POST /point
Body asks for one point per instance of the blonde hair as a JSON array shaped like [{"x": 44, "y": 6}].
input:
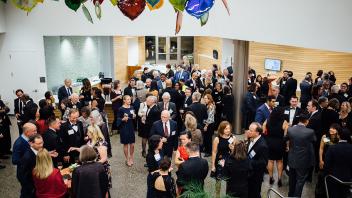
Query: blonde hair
[
  {"x": 44, "y": 165},
  {"x": 96, "y": 133},
  {"x": 190, "y": 122},
  {"x": 348, "y": 106}
]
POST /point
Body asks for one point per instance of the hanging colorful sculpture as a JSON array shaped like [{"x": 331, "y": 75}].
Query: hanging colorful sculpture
[{"x": 200, "y": 9}]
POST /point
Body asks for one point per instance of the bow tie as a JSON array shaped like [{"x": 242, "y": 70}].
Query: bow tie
[{"x": 292, "y": 108}]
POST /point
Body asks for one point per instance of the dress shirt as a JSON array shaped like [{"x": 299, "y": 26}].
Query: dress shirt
[
  {"x": 252, "y": 142},
  {"x": 168, "y": 128},
  {"x": 292, "y": 114}
]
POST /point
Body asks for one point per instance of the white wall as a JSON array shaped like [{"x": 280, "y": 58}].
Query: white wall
[
  {"x": 2, "y": 18},
  {"x": 318, "y": 24},
  {"x": 228, "y": 51},
  {"x": 133, "y": 54}
]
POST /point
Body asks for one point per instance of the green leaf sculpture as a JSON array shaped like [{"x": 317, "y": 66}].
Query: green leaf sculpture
[
  {"x": 98, "y": 9},
  {"x": 73, "y": 4},
  {"x": 114, "y": 2},
  {"x": 178, "y": 4},
  {"x": 86, "y": 13},
  {"x": 204, "y": 19}
]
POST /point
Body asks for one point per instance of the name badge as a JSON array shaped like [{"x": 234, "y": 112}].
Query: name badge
[
  {"x": 287, "y": 112},
  {"x": 173, "y": 133},
  {"x": 326, "y": 140},
  {"x": 71, "y": 132},
  {"x": 346, "y": 95},
  {"x": 191, "y": 84},
  {"x": 254, "y": 97},
  {"x": 186, "y": 105},
  {"x": 170, "y": 111},
  {"x": 132, "y": 111},
  {"x": 75, "y": 128},
  {"x": 157, "y": 157},
  {"x": 231, "y": 140},
  {"x": 252, "y": 154},
  {"x": 277, "y": 104}
]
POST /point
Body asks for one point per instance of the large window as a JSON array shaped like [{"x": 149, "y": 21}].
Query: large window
[{"x": 161, "y": 50}]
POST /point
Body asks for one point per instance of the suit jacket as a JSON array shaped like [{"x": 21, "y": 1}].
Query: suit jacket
[
  {"x": 251, "y": 102},
  {"x": 200, "y": 111},
  {"x": 338, "y": 161},
  {"x": 24, "y": 171},
  {"x": 128, "y": 91},
  {"x": 296, "y": 116},
  {"x": 315, "y": 124},
  {"x": 52, "y": 141},
  {"x": 195, "y": 170},
  {"x": 62, "y": 93},
  {"x": 290, "y": 89},
  {"x": 187, "y": 102},
  {"x": 281, "y": 100},
  {"x": 71, "y": 138},
  {"x": 301, "y": 152},
  {"x": 306, "y": 91},
  {"x": 194, "y": 85},
  {"x": 29, "y": 111},
  {"x": 181, "y": 75},
  {"x": 171, "y": 108},
  {"x": 262, "y": 114},
  {"x": 160, "y": 84},
  {"x": 258, "y": 156},
  {"x": 18, "y": 106},
  {"x": 153, "y": 116},
  {"x": 172, "y": 139},
  {"x": 170, "y": 74},
  {"x": 19, "y": 148}
]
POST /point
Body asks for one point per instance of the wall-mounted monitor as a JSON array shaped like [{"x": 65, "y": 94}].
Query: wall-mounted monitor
[{"x": 272, "y": 64}]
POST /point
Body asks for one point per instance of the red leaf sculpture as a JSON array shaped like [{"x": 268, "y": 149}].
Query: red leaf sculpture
[{"x": 131, "y": 8}]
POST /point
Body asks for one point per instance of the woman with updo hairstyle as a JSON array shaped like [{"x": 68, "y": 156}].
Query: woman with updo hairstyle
[{"x": 153, "y": 159}]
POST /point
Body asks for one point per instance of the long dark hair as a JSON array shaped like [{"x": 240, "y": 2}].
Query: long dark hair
[
  {"x": 86, "y": 84},
  {"x": 338, "y": 129},
  {"x": 240, "y": 151},
  {"x": 153, "y": 143},
  {"x": 153, "y": 86}
]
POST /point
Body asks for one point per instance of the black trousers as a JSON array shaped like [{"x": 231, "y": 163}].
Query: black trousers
[
  {"x": 207, "y": 138},
  {"x": 297, "y": 179},
  {"x": 255, "y": 185}
]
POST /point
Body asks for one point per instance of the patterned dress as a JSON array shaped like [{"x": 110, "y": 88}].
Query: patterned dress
[{"x": 106, "y": 163}]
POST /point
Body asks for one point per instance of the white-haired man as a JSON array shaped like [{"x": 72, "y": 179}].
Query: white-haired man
[{"x": 167, "y": 105}]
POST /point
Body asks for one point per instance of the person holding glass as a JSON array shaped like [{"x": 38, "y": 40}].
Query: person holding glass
[{"x": 125, "y": 117}]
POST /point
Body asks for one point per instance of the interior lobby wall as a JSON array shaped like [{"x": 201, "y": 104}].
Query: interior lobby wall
[
  {"x": 203, "y": 51},
  {"x": 301, "y": 60},
  {"x": 2, "y": 19}
]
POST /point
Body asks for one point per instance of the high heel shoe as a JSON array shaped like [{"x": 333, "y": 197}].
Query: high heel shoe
[
  {"x": 144, "y": 154},
  {"x": 271, "y": 181},
  {"x": 279, "y": 183}
]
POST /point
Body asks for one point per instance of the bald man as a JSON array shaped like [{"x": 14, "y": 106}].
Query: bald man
[
  {"x": 21, "y": 145},
  {"x": 167, "y": 129}
]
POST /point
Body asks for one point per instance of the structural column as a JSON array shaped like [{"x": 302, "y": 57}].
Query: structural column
[{"x": 240, "y": 75}]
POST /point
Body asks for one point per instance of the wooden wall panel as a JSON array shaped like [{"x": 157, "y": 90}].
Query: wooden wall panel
[
  {"x": 121, "y": 58},
  {"x": 203, "y": 51},
  {"x": 301, "y": 60},
  {"x": 141, "y": 50}
]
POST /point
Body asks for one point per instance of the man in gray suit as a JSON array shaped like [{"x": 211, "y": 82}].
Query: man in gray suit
[
  {"x": 300, "y": 155},
  {"x": 167, "y": 105}
]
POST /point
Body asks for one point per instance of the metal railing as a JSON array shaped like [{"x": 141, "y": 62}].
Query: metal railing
[
  {"x": 336, "y": 179},
  {"x": 274, "y": 191}
]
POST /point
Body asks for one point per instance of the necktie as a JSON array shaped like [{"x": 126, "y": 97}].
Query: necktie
[
  {"x": 165, "y": 106},
  {"x": 68, "y": 92},
  {"x": 166, "y": 130},
  {"x": 147, "y": 111}
]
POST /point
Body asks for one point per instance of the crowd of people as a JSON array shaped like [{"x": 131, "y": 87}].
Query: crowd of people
[{"x": 183, "y": 117}]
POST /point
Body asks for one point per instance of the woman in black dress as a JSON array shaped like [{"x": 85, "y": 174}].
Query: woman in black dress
[
  {"x": 330, "y": 115},
  {"x": 227, "y": 101},
  {"x": 162, "y": 181},
  {"x": 85, "y": 95},
  {"x": 116, "y": 100},
  {"x": 218, "y": 95},
  {"x": 125, "y": 118},
  {"x": 345, "y": 115},
  {"x": 236, "y": 170},
  {"x": 153, "y": 159},
  {"x": 276, "y": 127},
  {"x": 179, "y": 101},
  {"x": 220, "y": 152}
]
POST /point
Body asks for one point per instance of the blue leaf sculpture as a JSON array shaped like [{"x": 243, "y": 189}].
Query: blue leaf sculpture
[{"x": 198, "y": 8}]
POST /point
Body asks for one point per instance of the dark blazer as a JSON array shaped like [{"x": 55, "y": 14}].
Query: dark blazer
[
  {"x": 153, "y": 116},
  {"x": 17, "y": 106},
  {"x": 315, "y": 124},
  {"x": 281, "y": 100},
  {"x": 194, "y": 85},
  {"x": 306, "y": 91},
  {"x": 181, "y": 75},
  {"x": 172, "y": 139},
  {"x": 71, "y": 138},
  {"x": 290, "y": 89},
  {"x": 338, "y": 161},
  {"x": 171, "y": 107},
  {"x": 62, "y": 93},
  {"x": 258, "y": 157},
  {"x": 170, "y": 74},
  {"x": 29, "y": 111},
  {"x": 195, "y": 170},
  {"x": 251, "y": 102},
  {"x": 24, "y": 173},
  {"x": 128, "y": 91},
  {"x": 90, "y": 181},
  {"x": 52, "y": 141},
  {"x": 301, "y": 152},
  {"x": 187, "y": 102},
  {"x": 19, "y": 148},
  {"x": 296, "y": 116},
  {"x": 200, "y": 111},
  {"x": 262, "y": 114}
]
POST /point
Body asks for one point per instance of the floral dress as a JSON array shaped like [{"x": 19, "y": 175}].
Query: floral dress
[{"x": 106, "y": 163}]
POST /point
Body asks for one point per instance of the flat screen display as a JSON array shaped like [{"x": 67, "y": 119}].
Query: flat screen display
[{"x": 272, "y": 64}]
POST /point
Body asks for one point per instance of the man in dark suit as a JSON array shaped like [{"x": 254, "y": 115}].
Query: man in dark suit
[
  {"x": 167, "y": 105},
  {"x": 53, "y": 142},
  {"x": 74, "y": 102},
  {"x": 194, "y": 83},
  {"x": 21, "y": 144},
  {"x": 26, "y": 165},
  {"x": 280, "y": 99},
  {"x": 264, "y": 110},
  {"x": 188, "y": 98},
  {"x": 338, "y": 163},
  {"x": 65, "y": 91},
  {"x": 306, "y": 91},
  {"x": 167, "y": 129},
  {"x": 194, "y": 170},
  {"x": 315, "y": 124},
  {"x": 169, "y": 90},
  {"x": 290, "y": 87},
  {"x": 292, "y": 112},
  {"x": 5, "y": 134},
  {"x": 250, "y": 106},
  {"x": 199, "y": 110},
  {"x": 161, "y": 83},
  {"x": 72, "y": 135},
  {"x": 180, "y": 74},
  {"x": 258, "y": 154},
  {"x": 19, "y": 109},
  {"x": 153, "y": 112},
  {"x": 29, "y": 109},
  {"x": 301, "y": 155}
]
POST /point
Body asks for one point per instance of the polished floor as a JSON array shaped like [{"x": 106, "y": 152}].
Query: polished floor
[{"x": 129, "y": 182}]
